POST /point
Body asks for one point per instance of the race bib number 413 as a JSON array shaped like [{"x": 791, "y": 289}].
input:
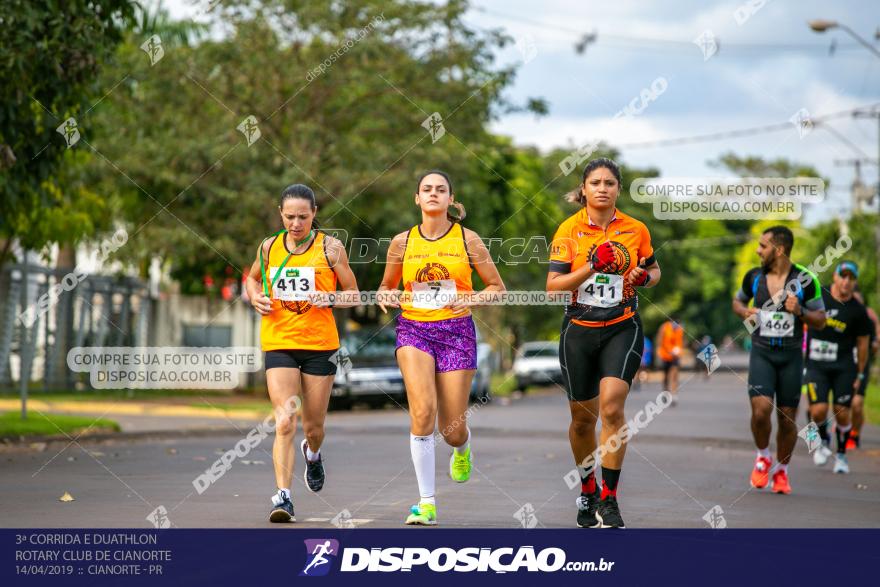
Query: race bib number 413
[
  {"x": 776, "y": 324},
  {"x": 602, "y": 290},
  {"x": 294, "y": 284}
]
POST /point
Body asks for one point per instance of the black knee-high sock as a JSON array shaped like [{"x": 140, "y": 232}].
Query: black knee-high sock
[
  {"x": 823, "y": 433},
  {"x": 610, "y": 477},
  {"x": 588, "y": 481},
  {"x": 842, "y": 434}
]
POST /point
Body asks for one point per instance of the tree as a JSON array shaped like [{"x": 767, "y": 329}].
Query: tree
[
  {"x": 339, "y": 94},
  {"x": 746, "y": 257},
  {"x": 52, "y": 55},
  {"x": 860, "y": 229}
]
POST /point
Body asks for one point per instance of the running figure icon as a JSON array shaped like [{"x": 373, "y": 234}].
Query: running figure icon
[{"x": 318, "y": 554}]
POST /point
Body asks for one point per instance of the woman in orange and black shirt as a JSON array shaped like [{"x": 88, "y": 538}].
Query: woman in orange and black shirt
[
  {"x": 291, "y": 284},
  {"x": 600, "y": 255}
]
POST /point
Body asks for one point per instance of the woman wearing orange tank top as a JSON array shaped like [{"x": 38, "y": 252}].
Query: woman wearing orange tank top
[
  {"x": 436, "y": 337},
  {"x": 291, "y": 285},
  {"x": 601, "y": 255}
]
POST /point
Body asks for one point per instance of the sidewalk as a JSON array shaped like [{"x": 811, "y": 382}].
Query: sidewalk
[{"x": 135, "y": 408}]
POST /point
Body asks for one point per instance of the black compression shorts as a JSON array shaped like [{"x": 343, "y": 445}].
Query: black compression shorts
[
  {"x": 587, "y": 354},
  {"x": 308, "y": 362},
  {"x": 838, "y": 379},
  {"x": 863, "y": 385},
  {"x": 776, "y": 373}
]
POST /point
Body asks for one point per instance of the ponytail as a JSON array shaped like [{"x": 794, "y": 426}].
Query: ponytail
[
  {"x": 462, "y": 213},
  {"x": 576, "y": 196}
]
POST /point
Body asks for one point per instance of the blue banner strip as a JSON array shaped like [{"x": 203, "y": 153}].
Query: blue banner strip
[{"x": 436, "y": 556}]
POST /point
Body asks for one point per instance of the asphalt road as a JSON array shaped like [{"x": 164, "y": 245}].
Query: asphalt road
[{"x": 686, "y": 461}]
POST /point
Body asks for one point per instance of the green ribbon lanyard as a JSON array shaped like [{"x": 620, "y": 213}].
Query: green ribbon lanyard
[{"x": 278, "y": 273}]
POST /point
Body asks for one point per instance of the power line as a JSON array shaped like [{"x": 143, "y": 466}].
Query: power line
[
  {"x": 706, "y": 241},
  {"x": 846, "y": 141},
  {"x": 643, "y": 42},
  {"x": 732, "y": 134}
]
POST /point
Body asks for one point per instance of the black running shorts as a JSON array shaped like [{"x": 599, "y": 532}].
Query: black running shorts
[
  {"x": 863, "y": 385},
  {"x": 777, "y": 374},
  {"x": 588, "y": 354},
  {"x": 309, "y": 362},
  {"x": 839, "y": 380}
]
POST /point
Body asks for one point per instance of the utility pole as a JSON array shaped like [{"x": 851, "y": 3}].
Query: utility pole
[
  {"x": 820, "y": 26},
  {"x": 875, "y": 113},
  {"x": 860, "y": 194}
]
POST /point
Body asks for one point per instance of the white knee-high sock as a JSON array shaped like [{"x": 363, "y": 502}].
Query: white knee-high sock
[
  {"x": 422, "y": 450},
  {"x": 461, "y": 449}
]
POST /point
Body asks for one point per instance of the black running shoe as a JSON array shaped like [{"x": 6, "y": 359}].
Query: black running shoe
[
  {"x": 314, "y": 473},
  {"x": 587, "y": 505},
  {"x": 608, "y": 513},
  {"x": 282, "y": 512}
]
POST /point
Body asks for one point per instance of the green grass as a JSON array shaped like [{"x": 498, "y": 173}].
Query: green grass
[
  {"x": 502, "y": 384},
  {"x": 872, "y": 404},
  {"x": 118, "y": 394},
  {"x": 11, "y": 424},
  {"x": 263, "y": 406}
]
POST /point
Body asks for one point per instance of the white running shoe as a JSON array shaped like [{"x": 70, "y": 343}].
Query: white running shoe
[
  {"x": 841, "y": 465},
  {"x": 821, "y": 455}
]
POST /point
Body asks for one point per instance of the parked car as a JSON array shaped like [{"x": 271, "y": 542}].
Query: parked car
[
  {"x": 367, "y": 369},
  {"x": 537, "y": 363},
  {"x": 481, "y": 385}
]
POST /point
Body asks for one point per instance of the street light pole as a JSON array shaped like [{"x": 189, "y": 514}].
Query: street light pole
[{"x": 820, "y": 26}]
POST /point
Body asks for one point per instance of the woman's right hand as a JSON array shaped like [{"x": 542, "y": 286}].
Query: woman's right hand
[
  {"x": 388, "y": 298},
  {"x": 262, "y": 304}
]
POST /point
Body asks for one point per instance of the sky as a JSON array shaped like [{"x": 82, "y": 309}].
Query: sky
[{"x": 768, "y": 67}]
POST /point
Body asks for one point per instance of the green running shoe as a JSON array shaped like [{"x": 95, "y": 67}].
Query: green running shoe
[
  {"x": 423, "y": 514},
  {"x": 460, "y": 465}
]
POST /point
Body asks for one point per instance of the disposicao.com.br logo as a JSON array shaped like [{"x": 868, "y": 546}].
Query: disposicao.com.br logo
[
  {"x": 444, "y": 559},
  {"x": 320, "y": 554}
]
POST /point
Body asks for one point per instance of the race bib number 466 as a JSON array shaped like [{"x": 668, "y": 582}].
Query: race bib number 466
[
  {"x": 776, "y": 324},
  {"x": 823, "y": 350},
  {"x": 294, "y": 284},
  {"x": 602, "y": 290}
]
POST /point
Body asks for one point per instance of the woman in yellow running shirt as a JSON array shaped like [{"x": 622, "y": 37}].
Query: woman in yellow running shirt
[{"x": 436, "y": 336}]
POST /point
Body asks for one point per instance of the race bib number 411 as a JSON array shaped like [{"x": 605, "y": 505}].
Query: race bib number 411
[
  {"x": 294, "y": 284},
  {"x": 776, "y": 324},
  {"x": 602, "y": 290}
]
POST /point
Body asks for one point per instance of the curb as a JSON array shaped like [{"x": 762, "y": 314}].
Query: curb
[
  {"x": 126, "y": 408},
  {"x": 25, "y": 441}
]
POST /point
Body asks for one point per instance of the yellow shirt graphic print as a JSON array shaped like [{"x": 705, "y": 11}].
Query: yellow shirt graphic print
[
  {"x": 294, "y": 323},
  {"x": 434, "y": 273}
]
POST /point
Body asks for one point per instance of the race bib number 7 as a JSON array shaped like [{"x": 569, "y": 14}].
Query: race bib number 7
[
  {"x": 776, "y": 324},
  {"x": 433, "y": 295},
  {"x": 602, "y": 290},
  {"x": 294, "y": 284}
]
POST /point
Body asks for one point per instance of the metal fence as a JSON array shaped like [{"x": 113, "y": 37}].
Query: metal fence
[{"x": 46, "y": 312}]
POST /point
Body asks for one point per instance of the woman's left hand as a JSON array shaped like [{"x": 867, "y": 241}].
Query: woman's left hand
[{"x": 639, "y": 275}]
